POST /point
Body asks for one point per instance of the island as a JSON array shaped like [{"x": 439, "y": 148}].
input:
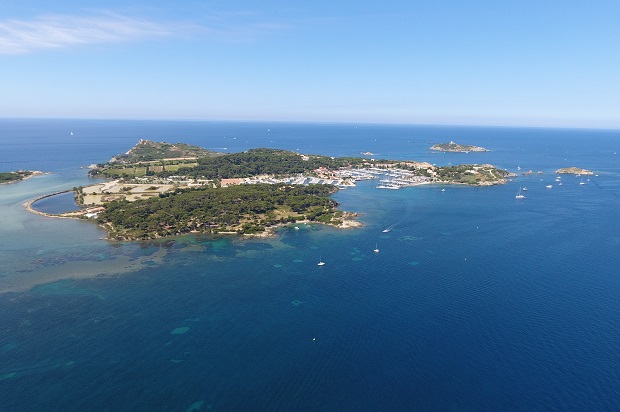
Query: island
[
  {"x": 455, "y": 147},
  {"x": 574, "y": 171},
  {"x": 18, "y": 175},
  {"x": 531, "y": 172},
  {"x": 158, "y": 189},
  {"x": 148, "y": 151}
]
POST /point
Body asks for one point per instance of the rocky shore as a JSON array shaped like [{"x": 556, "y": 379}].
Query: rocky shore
[
  {"x": 455, "y": 147},
  {"x": 574, "y": 171}
]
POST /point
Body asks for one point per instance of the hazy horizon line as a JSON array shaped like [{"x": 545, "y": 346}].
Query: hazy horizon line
[{"x": 342, "y": 122}]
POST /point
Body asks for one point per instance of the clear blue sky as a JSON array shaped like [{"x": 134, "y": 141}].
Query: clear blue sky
[{"x": 527, "y": 62}]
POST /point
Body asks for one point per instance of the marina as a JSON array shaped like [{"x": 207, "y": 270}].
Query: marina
[{"x": 391, "y": 178}]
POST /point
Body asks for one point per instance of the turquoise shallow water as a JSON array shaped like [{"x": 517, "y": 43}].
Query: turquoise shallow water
[{"x": 475, "y": 301}]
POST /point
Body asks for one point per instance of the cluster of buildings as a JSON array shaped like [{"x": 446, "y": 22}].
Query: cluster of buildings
[
  {"x": 389, "y": 178},
  {"x": 300, "y": 180}
]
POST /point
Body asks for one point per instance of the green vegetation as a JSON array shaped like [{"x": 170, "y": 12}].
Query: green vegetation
[
  {"x": 415, "y": 168},
  {"x": 250, "y": 163},
  {"x": 455, "y": 147},
  {"x": 8, "y": 177},
  {"x": 115, "y": 170},
  {"x": 147, "y": 150},
  {"x": 574, "y": 170},
  {"x": 471, "y": 174},
  {"x": 266, "y": 161},
  {"x": 242, "y": 209}
]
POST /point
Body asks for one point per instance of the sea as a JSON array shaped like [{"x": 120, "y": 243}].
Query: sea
[{"x": 476, "y": 300}]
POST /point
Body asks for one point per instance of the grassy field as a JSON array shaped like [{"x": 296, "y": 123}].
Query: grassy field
[{"x": 138, "y": 171}]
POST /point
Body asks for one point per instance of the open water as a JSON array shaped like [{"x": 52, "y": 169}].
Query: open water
[{"x": 476, "y": 300}]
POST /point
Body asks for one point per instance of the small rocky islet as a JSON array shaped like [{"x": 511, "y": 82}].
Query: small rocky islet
[
  {"x": 458, "y": 148},
  {"x": 574, "y": 171}
]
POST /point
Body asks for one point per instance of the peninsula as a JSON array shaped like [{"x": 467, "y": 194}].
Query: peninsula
[
  {"x": 574, "y": 170},
  {"x": 455, "y": 147},
  {"x": 152, "y": 195},
  {"x": 17, "y": 176}
]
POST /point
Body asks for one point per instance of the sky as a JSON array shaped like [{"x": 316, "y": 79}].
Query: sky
[{"x": 503, "y": 63}]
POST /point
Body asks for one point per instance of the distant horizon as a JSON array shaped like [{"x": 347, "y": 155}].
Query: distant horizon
[
  {"x": 334, "y": 122},
  {"x": 507, "y": 64}
]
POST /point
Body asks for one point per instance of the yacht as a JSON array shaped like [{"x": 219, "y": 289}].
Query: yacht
[
  {"x": 376, "y": 249},
  {"x": 321, "y": 263},
  {"x": 519, "y": 195}
]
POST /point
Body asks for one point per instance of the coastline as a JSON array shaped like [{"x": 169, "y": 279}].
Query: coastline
[
  {"x": 33, "y": 173},
  {"x": 573, "y": 170},
  {"x": 269, "y": 232},
  {"x": 252, "y": 223},
  {"x": 453, "y": 147},
  {"x": 28, "y": 204},
  {"x": 345, "y": 221},
  {"x": 348, "y": 222}
]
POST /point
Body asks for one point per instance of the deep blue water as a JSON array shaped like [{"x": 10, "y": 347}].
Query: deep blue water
[
  {"x": 476, "y": 300},
  {"x": 60, "y": 203}
]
